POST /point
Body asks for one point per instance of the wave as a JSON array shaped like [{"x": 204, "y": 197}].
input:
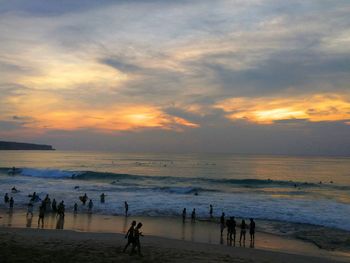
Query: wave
[{"x": 116, "y": 178}]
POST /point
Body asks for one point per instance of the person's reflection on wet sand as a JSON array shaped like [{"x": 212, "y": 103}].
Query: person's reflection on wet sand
[
  {"x": 60, "y": 222},
  {"x": 193, "y": 232},
  {"x": 183, "y": 231},
  {"x": 89, "y": 218},
  {"x": 29, "y": 221},
  {"x": 9, "y": 222},
  {"x": 125, "y": 225}
]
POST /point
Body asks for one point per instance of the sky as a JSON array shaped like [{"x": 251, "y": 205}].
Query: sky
[{"x": 239, "y": 76}]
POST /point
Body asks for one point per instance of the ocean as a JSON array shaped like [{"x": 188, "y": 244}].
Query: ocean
[{"x": 311, "y": 190}]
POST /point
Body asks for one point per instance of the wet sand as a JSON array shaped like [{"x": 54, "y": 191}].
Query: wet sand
[{"x": 165, "y": 231}]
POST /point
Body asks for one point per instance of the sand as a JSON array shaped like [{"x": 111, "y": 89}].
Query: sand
[{"x": 98, "y": 238}]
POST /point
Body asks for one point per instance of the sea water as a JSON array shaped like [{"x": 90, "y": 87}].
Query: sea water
[{"x": 313, "y": 190}]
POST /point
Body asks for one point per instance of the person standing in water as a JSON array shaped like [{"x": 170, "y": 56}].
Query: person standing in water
[
  {"x": 193, "y": 215},
  {"x": 211, "y": 211},
  {"x": 11, "y": 202},
  {"x": 54, "y": 205},
  {"x": 137, "y": 244},
  {"x": 102, "y": 198},
  {"x": 252, "y": 232},
  {"x": 6, "y": 198},
  {"x": 184, "y": 215},
  {"x": 126, "y": 206},
  {"x": 130, "y": 235},
  {"x": 222, "y": 223},
  {"x": 91, "y": 204},
  {"x": 243, "y": 231}
]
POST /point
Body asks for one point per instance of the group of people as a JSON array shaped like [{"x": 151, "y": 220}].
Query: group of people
[
  {"x": 133, "y": 235},
  {"x": 230, "y": 224}
]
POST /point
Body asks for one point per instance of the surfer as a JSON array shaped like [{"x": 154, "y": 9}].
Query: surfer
[
  {"x": 130, "y": 235},
  {"x": 211, "y": 211},
  {"x": 136, "y": 243},
  {"x": 222, "y": 223},
  {"x": 102, "y": 197},
  {"x": 6, "y": 198},
  {"x": 126, "y": 206},
  {"x": 14, "y": 190},
  {"x": 243, "y": 231},
  {"x": 91, "y": 204},
  {"x": 252, "y": 232},
  {"x": 193, "y": 215},
  {"x": 184, "y": 215}
]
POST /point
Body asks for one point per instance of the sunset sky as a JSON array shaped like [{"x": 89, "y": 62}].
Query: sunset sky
[{"x": 240, "y": 76}]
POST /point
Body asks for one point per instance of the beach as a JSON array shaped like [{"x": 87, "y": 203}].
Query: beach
[{"x": 99, "y": 238}]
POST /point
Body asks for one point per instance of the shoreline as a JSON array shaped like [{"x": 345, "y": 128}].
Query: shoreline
[
  {"x": 201, "y": 232},
  {"x": 44, "y": 245}
]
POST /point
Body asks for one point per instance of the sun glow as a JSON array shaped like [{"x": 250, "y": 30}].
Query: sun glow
[{"x": 314, "y": 108}]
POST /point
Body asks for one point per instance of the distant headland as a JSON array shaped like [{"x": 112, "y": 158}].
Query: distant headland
[{"x": 24, "y": 146}]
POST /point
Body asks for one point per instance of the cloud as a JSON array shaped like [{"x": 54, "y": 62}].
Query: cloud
[{"x": 268, "y": 110}]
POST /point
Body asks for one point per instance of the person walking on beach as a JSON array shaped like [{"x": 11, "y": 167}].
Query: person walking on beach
[
  {"x": 11, "y": 202},
  {"x": 90, "y": 205},
  {"x": 41, "y": 216},
  {"x": 126, "y": 206},
  {"x": 211, "y": 211},
  {"x": 137, "y": 244},
  {"x": 184, "y": 215},
  {"x": 102, "y": 198},
  {"x": 252, "y": 232},
  {"x": 222, "y": 223},
  {"x": 130, "y": 235},
  {"x": 61, "y": 209},
  {"x": 193, "y": 215},
  {"x": 6, "y": 198},
  {"x": 243, "y": 231},
  {"x": 54, "y": 205}
]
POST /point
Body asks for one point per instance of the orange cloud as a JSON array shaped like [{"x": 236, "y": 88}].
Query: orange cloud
[{"x": 314, "y": 108}]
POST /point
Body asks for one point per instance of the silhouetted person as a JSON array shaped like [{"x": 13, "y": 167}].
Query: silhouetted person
[
  {"x": 41, "y": 216},
  {"x": 75, "y": 208},
  {"x": 126, "y": 206},
  {"x": 11, "y": 202},
  {"x": 61, "y": 209},
  {"x": 229, "y": 229},
  {"x": 130, "y": 235},
  {"x": 243, "y": 231},
  {"x": 6, "y": 198},
  {"x": 184, "y": 215},
  {"x": 14, "y": 190},
  {"x": 54, "y": 205},
  {"x": 47, "y": 201},
  {"x": 34, "y": 197},
  {"x": 137, "y": 243},
  {"x": 90, "y": 205},
  {"x": 30, "y": 209},
  {"x": 102, "y": 198},
  {"x": 211, "y": 211},
  {"x": 222, "y": 223},
  {"x": 233, "y": 230},
  {"x": 83, "y": 199},
  {"x": 252, "y": 231},
  {"x": 193, "y": 215}
]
